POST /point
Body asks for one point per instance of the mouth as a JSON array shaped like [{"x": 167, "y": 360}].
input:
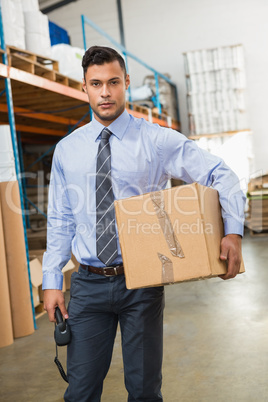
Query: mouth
[{"x": 106, "y": 105}]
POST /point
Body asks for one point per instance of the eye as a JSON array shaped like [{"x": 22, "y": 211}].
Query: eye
[
  {"x": 95, "y": 84},
  {"x": 115, "y": 82}
]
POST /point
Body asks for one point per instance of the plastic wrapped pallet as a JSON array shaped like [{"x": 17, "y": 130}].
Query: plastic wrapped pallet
[
  {"x": 213, "y": 77},
  {"x": 141, "y": 93},
  {"x": 70, "y": 59},
  {"x": 37, "y": 33},
  {"x": 7, "y": 163},
  {"x": 166, "y": 93},
  {"x": 6, "y": 331},
  {"x": 30, "y": 5},
  {"x": 13, "y": 22}
]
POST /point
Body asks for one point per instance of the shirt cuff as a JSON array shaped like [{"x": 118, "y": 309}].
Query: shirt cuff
[
  {"x": 52, "y": 281},
  {"x": 231, "y": 226}
]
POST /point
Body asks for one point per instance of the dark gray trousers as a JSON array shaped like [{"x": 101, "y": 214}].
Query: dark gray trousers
[{"x": 96, "y": 306}]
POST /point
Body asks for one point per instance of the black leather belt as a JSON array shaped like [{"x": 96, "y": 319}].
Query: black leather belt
[{"x": 106, "y": 271}]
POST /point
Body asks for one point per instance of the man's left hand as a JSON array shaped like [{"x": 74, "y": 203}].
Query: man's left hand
[{"x": 231, "y": 252}]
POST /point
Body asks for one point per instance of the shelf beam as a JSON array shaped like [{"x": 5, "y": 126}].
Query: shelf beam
[
  {"x": 40, "y": 82},
  {"x": 39, "y": 116},
  {"x": 59, "y": 89}
]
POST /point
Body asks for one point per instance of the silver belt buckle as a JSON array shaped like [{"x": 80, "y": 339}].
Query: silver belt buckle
[{"x": 114, "y": 268}]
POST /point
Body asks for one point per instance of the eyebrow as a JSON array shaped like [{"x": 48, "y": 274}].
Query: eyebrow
[{"x": 97, "y": 80}]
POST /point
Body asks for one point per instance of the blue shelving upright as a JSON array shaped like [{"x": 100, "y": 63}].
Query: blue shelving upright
[{"x": 11, "y": 118}]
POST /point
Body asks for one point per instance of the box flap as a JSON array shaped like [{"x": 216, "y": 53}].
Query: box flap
[
  {"x": 68, "y": 266},
  {"x": 38, "y": 254},
  {"x": 36, "y": 272}
]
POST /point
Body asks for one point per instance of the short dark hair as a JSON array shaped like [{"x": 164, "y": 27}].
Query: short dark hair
[{"x": 100, "y": 55}]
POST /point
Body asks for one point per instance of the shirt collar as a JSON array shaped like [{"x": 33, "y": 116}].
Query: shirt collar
[{"x": 117, "y": 127}]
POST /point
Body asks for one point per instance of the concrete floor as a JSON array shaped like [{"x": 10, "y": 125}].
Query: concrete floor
[{"x": 216, "y": 344}]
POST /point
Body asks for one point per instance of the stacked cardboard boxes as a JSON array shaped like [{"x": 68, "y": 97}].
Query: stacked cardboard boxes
[{"x": 257, "y": 216}]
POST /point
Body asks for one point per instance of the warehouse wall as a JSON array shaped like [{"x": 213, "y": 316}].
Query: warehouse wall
[{"x": 159, "y": 31}]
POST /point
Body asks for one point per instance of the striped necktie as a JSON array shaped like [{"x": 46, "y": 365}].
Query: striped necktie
[{"x": 106, "y": 241}]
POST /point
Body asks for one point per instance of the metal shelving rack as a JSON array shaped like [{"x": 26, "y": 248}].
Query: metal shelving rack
[{"x": 11, "y": 118}]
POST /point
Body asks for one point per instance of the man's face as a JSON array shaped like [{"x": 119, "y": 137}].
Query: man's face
[{"x": 105, "y": 86}]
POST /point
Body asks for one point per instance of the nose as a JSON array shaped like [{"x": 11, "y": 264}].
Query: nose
[{"x": 105, "y": 91}]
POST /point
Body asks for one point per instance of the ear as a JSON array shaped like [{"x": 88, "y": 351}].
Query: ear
[
  {"x": 127, "y": 81},
  {"x": 84, "y": 86}
]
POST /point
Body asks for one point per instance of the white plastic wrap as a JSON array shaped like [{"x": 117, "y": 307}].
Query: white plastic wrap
[
  {"x": 70, "y": 59},
  {"x": 37, "y": 33},
  {"x": 36, "y": 22},
  {"x": 12, "y": 12},
  {"x": 7, "y": 162},
  {"x": 14, "y": 36},
  {"x": 39, "y": 44},
  {"x": 13, "y": 22},
  {"x": 141, "y": 93},
  {"x": 30, "y": 5},
  {"x": 228, "y": 148}
]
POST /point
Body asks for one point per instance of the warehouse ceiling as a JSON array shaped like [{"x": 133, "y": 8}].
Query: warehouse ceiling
[{"x": 46, "y": 6}]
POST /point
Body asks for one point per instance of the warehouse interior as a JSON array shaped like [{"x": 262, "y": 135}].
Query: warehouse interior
[{"x": 197, "y": 67}]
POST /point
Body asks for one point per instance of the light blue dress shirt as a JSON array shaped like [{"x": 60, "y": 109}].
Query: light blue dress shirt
[{"x": 144, "y": 156}]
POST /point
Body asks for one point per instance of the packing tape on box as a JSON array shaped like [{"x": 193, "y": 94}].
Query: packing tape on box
[
  {"x": 171, "y": 238},
  {"x": 166, "y": 225},
  {"x": 167, "y": 269}
]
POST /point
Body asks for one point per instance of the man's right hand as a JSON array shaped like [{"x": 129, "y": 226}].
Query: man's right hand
[{"x": 52, "y": 299}]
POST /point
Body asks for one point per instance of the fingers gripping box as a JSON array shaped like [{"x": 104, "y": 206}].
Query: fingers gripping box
[{"x": 171, "y": 236}]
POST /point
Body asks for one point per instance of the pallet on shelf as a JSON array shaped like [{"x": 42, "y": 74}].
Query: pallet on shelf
[
  {"x": 142, "y": 111},
  {"x": 46, "y": 103},
  {"x": 30, "y": 56},
  {"x": 39, "y": 65}
]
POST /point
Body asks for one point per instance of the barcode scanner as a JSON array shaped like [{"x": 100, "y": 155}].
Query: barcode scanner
[
  {"x": 62, "y": 332},
  {"x": 62, "y": 336}
]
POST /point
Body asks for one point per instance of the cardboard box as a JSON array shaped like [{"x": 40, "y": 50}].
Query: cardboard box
[
  {"x": 171, "y": 236},
  {"x": 69, "y": 268},
  {"x": 6, "y": 330},
  {"x": 68, "y": 274},
  {"x": 37, "y": 276},
  {"x": 36, "y": 279},
  {"x": 16, "y": 261}
]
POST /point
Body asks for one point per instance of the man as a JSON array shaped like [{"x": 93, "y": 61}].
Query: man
[{"x": 140, "y": 157}]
